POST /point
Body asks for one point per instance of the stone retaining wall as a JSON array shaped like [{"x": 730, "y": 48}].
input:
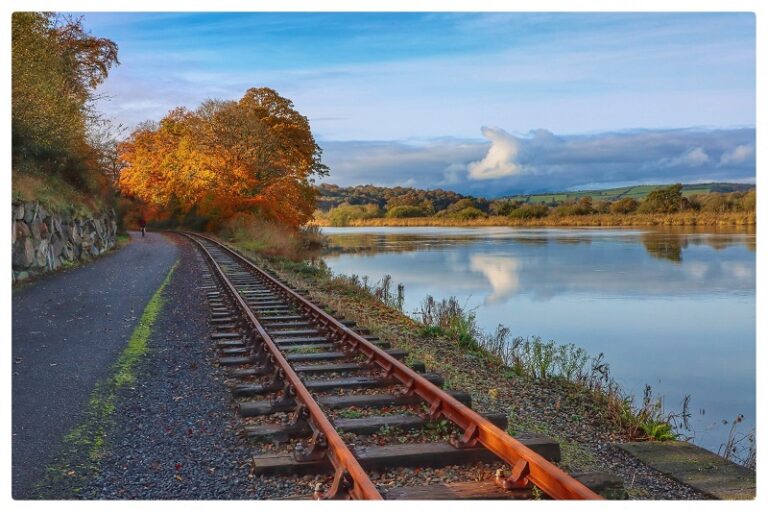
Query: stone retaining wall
[{"x": 43, "y": 241}]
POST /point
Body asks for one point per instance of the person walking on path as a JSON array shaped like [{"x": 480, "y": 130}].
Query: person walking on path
[{"x": 142, "y": 225}]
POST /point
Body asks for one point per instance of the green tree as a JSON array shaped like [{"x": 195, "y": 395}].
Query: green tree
[
  {"x": 404, "y": 211},
  {"x": 530, "y": 211},
  {"x": 664, "y": 200},
  {"x": 344, "y": 214}
]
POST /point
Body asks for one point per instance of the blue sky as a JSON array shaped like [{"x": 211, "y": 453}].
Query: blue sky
[{"x": 475, "y": 102}]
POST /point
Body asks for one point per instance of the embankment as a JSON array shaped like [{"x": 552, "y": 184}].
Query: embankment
[{"x": 43, "y": 240}]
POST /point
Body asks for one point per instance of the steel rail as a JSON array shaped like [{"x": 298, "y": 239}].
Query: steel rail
[
  {"x": 339, "y": 454},
  {"x": 526, "y": 464}
]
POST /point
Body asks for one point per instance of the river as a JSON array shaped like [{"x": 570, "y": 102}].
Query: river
[{"x": 672, "y": 308}]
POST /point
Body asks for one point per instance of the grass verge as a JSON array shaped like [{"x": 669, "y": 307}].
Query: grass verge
[{"x": 84, "y": 445}]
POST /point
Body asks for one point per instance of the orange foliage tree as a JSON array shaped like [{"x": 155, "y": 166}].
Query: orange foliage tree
[{"x": 253, "y": 155}]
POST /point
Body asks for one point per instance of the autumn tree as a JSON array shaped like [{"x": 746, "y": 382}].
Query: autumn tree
[
  {"x": 56, "y": 67},
  {"x": 624, "y": 205},
  {"x": 253, "y": 155}
]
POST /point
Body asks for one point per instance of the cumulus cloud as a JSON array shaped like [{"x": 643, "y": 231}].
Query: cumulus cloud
[
  {"x": 543, "y": 161},
  {"x": 737, "y": 155},
  {"x": 500, "y": 159},
  {"x": 691, "y": 158}
]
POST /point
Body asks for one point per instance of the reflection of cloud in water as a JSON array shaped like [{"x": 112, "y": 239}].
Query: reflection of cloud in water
[
  {"x": 502, "y": 272},
  {"x": 696, "y": 269},
  {"x": 615, "y": 264},
  {"x": 738, "y": 270}
]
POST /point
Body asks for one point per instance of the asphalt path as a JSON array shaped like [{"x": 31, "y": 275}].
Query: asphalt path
[{"x": 68, "y": 329}]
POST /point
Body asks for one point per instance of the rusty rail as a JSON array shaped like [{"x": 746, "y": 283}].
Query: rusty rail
[
  {"x": 527, "y": 465},
  {"x": 348, "y": 473}
]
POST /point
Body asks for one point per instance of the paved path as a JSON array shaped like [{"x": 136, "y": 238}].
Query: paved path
[{"x": 68, "y": 330}]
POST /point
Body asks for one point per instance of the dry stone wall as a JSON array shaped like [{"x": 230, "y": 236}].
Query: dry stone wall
[{"x": 43, "y": 241}]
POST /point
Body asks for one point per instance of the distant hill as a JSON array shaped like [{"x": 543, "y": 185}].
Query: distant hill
[
  {"x": 637, "y": 192},
  {"x": 331, "y": 196}
]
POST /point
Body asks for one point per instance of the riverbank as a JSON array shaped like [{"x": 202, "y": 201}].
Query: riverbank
[
  {"x": 687, "y": 218},
  {"x": 569, "y": 414}
]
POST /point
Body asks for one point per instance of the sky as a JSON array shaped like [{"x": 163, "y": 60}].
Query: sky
[{"x": 480, "y": 103}]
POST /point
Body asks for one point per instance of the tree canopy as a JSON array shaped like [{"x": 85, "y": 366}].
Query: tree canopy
[
  {"x": 253, "y": 155},
  {"x": 56, "y": 67}
]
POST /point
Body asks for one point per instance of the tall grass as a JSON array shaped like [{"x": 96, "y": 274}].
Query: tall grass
[
  {"x": 546, "y": 360},
  {"x": 256, "y": 236},
  {"x": 739, "y": 447},
  {"x": 685, "y": 218},
  {"x": 382, "y": 290}
]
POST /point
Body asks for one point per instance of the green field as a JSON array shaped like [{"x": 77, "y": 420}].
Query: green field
[{"x": 637, "y": 192}]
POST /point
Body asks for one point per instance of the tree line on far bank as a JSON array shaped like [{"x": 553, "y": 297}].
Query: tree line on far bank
[{"x": 411, "y": 203}]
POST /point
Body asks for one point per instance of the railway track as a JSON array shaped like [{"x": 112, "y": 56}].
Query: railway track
[{"x": 322, "y": 397}]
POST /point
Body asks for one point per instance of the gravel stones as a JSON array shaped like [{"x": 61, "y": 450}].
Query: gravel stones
[{"x": 175, "y": 433}]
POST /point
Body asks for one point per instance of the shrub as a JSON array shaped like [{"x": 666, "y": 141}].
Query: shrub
[
  {"x": 255, "y": 235},
  {"x": 624, "y": 206},
  {"x": 405, "y": 211},
  {"x": 504, "y": 207},
  {"x": 342, "y": 215},
  {"x": 468, "y": 213},
  {"x": 749, "y": 201},
  {"x": 582, "y": 207},
  {"x": 530, "y": 211},
  {"x": 602, "y": 206}
]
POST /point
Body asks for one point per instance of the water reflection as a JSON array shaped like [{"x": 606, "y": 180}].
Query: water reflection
[
  {"x": 664, "y": 243},
  {"x": 665, "y": 248},
  {"x": 673, "y": 308},
  {"x": 609, "y": 264},
  {"x": 502, "y": 273}
]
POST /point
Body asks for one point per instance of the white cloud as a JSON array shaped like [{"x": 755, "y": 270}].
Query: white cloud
[
  {"x": 737, "y": 155},
  {"x": 500, "y": 159},
  {"x": 453, "y": 173},
  {"x": 546, "y": 162},
  {"x": 695, "y": 157}
]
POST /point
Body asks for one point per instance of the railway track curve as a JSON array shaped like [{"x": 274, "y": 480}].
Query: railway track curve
[{"x": 295, "y": 368}]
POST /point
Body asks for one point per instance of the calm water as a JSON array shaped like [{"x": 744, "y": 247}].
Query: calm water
[{"x": 671, "y": 308}]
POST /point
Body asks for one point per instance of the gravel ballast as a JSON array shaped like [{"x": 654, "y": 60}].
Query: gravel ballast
[{"x": 174, "y": 433}]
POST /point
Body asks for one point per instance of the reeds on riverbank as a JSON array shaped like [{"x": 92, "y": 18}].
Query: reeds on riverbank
[
  {"x": 685, "y": 218},
  {"x": 533, "y": 358}
]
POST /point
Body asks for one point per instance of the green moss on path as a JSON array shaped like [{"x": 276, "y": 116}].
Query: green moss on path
[{"x": 83, "y": 445}]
